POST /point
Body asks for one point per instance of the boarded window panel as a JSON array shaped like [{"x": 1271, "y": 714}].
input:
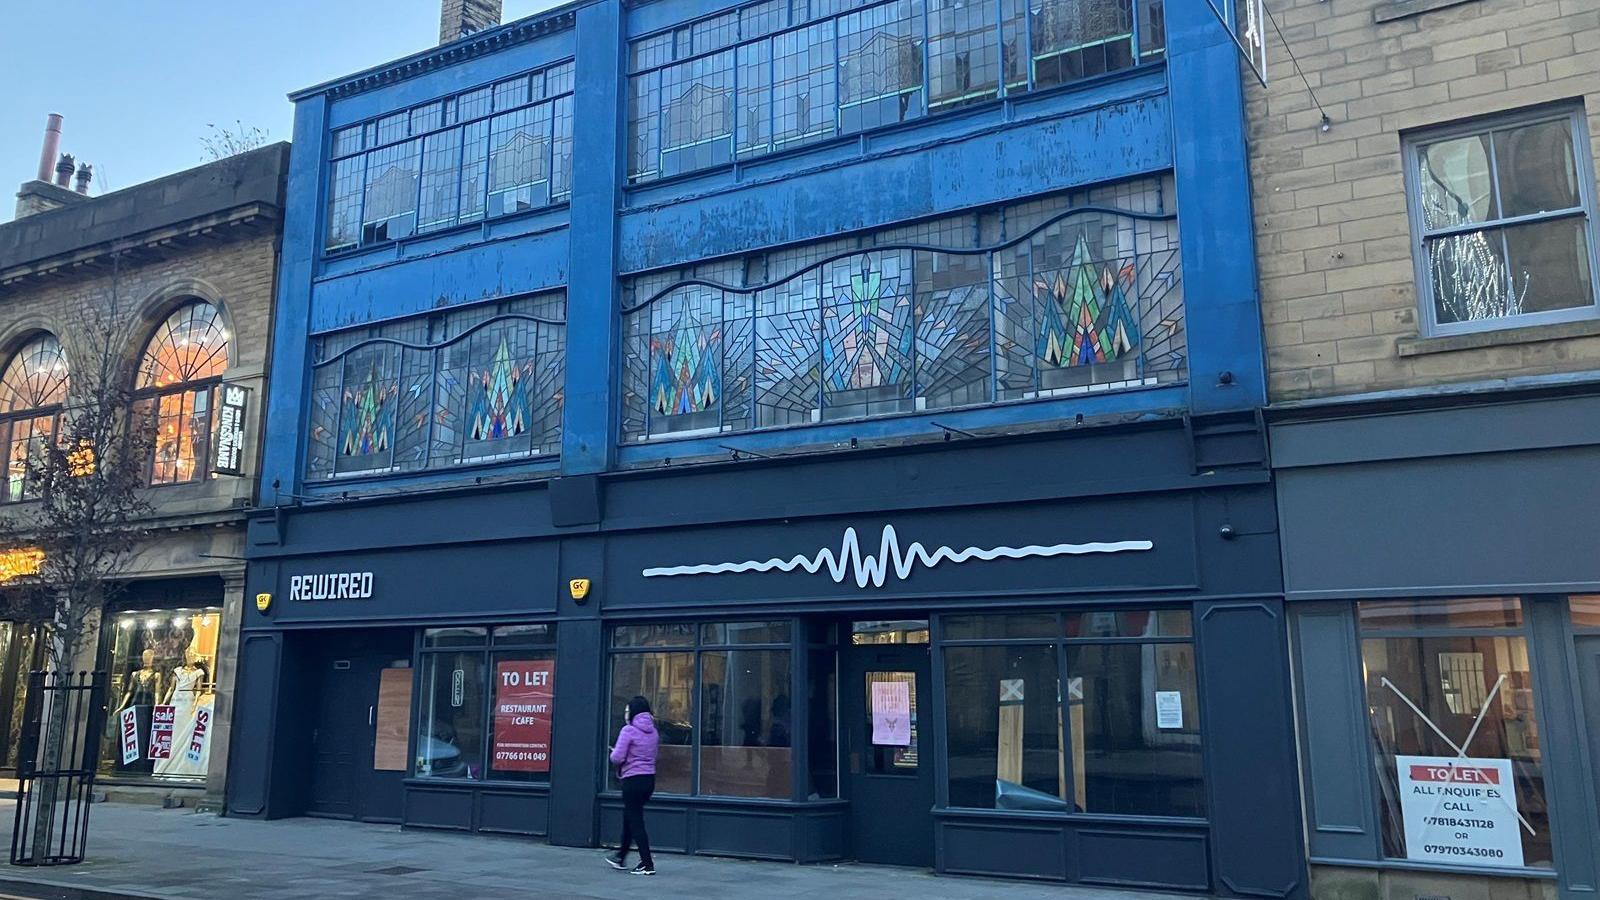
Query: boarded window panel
[{"x": 389, "y": 752}]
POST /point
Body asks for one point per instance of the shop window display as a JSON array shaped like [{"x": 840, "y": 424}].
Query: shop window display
[
  {"x": 486, "y": 703},
  {"x": 161, "y": 693},
  {"x": 1456, "y": 740},
  {"x": 1103, "y": 718},
  {"x": 722, "y": 700}
]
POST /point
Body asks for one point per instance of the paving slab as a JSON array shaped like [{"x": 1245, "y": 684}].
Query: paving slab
[{"x": 143, "y": 852}]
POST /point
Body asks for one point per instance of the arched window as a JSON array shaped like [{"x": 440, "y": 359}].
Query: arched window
[
  {"x": 183, "y": 364},
  {"x": 32, "y": 390}
]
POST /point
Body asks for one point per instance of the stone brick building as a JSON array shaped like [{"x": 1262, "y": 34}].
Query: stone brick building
[
  {"x": 183, "y": 268},
  {"x": 1428, "y": 287}
]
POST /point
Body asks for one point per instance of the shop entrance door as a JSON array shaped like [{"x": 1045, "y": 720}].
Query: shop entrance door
[
  {"x": 356, "y": 772},
  {"x": 888, "y": 766}
]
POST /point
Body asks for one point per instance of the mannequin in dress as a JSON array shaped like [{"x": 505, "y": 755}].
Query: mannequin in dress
[
  {"x": 144, "y": 684},
  {"x": 191, "y": 692}
]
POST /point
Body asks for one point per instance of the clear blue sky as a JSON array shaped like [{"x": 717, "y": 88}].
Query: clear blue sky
[{"x": 139, "y": 80}]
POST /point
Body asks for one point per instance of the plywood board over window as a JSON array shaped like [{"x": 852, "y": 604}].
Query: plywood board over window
[{"x": 393, "y": 721}]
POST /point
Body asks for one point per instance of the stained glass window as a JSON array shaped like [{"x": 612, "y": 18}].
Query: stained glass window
[
  {"x": 501, "y": 149},
  {"x": 478, "y": 384},
  {"x": 182, "y": 365},
  {"x": 1076, "y": 299},
  {"x": 32, "y": 390}
]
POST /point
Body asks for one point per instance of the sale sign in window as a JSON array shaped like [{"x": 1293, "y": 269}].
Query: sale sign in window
[{"x": 524, "y": 700}]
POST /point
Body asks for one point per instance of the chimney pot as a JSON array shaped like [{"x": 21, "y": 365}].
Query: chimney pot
[
  {"x": 85, "y": 175},
  {"x": 64, "y": 169},
  {"x": 52, "y": 145}
]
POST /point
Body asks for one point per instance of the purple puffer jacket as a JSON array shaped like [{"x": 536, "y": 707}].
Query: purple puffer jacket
[{"x": 635, "y": 751}]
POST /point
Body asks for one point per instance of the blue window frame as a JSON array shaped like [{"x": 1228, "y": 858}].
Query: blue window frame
[
  {"x": 772, "y": 75},
  {"x": 496, "y": 150},
  {"x": 479, "y": 384},
  {"x": 1075, "y": 293}
]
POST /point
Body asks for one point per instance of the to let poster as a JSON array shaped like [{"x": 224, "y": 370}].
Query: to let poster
[
  {"x": 162, "y": 719},
  {"x": 891, "y": 713},
  {"x": 1460, "y": 810},
  {"x": 129, "y": 727},
  {"x": 524, "y": 699}
]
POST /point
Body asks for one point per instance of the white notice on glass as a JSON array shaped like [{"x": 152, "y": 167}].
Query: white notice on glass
[
  {"x": 1460, "y": 810},
  {"x": 1169, "y": 709},
  {"x": 891, "y": 713}
]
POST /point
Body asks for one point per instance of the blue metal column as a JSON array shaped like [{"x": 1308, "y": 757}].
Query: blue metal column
[
  {"x": 298, "y": 253},
  {"x": 590, "y": 416},
  {"x": 1212, "y": 168}
]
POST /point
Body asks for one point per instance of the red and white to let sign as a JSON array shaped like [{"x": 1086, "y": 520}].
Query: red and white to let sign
[
  {"x": 524, "y": 699},
  {"x": 162, "y": 719},
  {"x": 129, "y": 728},
  {"x": 1460, "y": 810}
]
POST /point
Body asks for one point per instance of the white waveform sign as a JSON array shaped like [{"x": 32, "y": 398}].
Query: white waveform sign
[{"x": 874, "y": 569}]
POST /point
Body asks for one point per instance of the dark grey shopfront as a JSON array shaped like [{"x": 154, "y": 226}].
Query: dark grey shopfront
[
  {"x": 1442, "y": 567},
  {"x": 1057, "y": 656}
]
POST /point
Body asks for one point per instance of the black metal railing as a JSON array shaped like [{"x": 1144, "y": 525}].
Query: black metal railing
[{"x": 60, "y": 751}]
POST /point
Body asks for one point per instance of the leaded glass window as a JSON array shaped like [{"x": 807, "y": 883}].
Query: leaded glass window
[
  {"x": 1075, "y": 293},
  {"x": 33, "y": 389},
  {"x": 1504, "y": 220},
  {"x": 178, "y": 377},
  {"x": 496, "y": 150},
  {"x": 773, "y": 75},
  {"x": 880, "y": 65},
  {"x": 473, "y": 385}
]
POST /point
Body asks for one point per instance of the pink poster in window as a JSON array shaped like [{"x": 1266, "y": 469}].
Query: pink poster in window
[{"x": 891, "y": 713}]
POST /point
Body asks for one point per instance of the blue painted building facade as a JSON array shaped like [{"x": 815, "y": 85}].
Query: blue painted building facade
[{"x": 858, "y": 359}]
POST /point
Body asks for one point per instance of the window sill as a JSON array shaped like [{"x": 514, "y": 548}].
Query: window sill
[
  {"x": 1477, "y": 340},
  {"x": 1394, "y": 10}
]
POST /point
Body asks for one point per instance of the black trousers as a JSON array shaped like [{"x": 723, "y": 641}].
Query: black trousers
[{"x": 636, "y": 792}]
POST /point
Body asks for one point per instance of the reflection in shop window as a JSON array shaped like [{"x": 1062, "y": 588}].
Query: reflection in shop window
[
  {"x": 1452, "y": 711},
  {"x": 1005, "y": 725},
  {"x": 747, "y": 715},
  {"x": 667, "y": 681},
  {"x": 724, "y": 699},
  {"x": 486, "y": 703},
  {"x": 1116, "y": 731},
  {"x": 822, "y": 690},
  {"x": 1136, "y": 729},
  {"x": 449, "y": 742},
  {"x": 162, "y": 666}
]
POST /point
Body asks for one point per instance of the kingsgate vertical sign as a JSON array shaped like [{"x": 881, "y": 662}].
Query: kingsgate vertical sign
[
  {"x": 231, "y": 430},
  {"x": 1460, "y": 810}
]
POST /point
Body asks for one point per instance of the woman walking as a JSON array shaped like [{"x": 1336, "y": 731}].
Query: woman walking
[{"x": 635, "y": 758}]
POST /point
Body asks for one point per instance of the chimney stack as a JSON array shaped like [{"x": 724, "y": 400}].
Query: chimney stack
[
  {"x": 64, "y": 169},
  {"x": 85, "y": 174},
  {"x": 52, "y": 145},
  {"x": 459, "y": 18}
]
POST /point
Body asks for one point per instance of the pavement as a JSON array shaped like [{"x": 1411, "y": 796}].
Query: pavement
[{"x": 138, "y": 852}]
